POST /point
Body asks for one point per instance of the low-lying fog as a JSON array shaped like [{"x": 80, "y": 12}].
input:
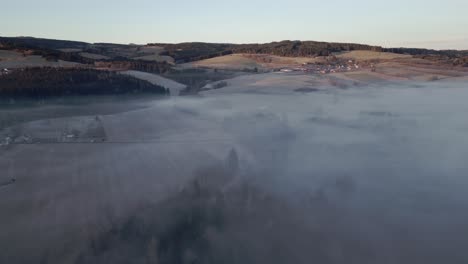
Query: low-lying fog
[{"x": 364, "y": 175}]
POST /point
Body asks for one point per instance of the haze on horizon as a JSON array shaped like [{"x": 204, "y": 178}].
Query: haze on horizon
[{"x": 425, "y": 24}]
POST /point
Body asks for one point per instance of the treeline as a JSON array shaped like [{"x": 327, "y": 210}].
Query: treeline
[
  {"x": 41, "y": 82},
  {"x": 420, "y": 52},
  {"x": 187, "y": 52},
  {"x": 38, "y": 43}
]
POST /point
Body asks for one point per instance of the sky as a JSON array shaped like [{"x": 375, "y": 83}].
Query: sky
[{"x": 396, "y": 23}]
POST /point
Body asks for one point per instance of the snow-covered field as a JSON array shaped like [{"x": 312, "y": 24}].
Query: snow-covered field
[{"x": 374, "y": 174}]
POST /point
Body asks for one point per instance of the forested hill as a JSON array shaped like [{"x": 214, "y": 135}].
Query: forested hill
[
  {"x": 193, "y": 51},
  {"x": 41, "y": 82}
]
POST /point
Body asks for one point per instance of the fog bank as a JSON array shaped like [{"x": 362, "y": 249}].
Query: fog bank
[{"x": 362, "y": 175}]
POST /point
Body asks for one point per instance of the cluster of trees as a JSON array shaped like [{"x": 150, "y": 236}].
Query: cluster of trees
[{"x": 47, "y": 81}]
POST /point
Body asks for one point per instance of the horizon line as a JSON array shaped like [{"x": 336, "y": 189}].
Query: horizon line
[{"x": 237, "y": 43}]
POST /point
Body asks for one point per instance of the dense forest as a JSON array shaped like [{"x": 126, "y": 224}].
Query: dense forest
[{"x": 39, "y": 82}]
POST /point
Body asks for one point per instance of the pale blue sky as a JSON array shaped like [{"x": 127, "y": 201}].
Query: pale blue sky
[{"x": 411, "y": 23}]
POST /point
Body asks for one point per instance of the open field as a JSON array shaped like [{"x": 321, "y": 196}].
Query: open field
[
  {"x": 385, "y": 72},
  {"x": 230, "y": 62},
  {"x": 250, "y": 62},
  {"x": 414, "y": 70}
]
